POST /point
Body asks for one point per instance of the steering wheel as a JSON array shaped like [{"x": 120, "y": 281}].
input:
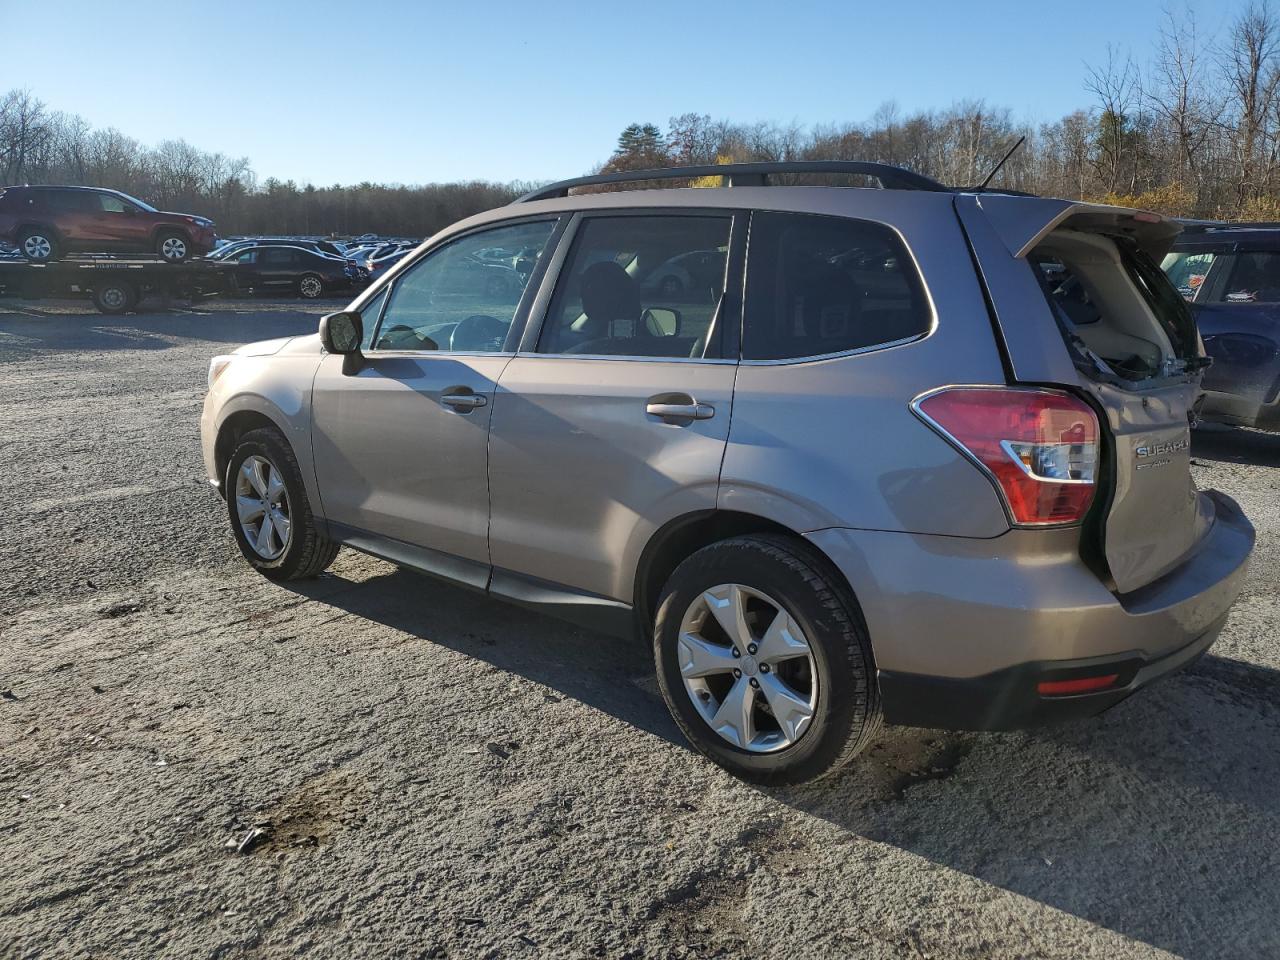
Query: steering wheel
[{"x": 478, "y": 332}]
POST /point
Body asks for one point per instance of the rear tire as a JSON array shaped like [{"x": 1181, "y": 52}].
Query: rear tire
[
  {"x": 834, "y": 680},
  {"x": 311, "y": 286},
  {"x": 173, "y": 247},
  {"x": 115, "y": 297},
  {"x": 263, "y": 480},
  {"x": 39, "y": 245}
]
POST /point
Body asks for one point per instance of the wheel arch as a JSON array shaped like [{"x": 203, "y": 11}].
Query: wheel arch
[
  {"x": 163, "y": 229},
  {"x": 26, "y": 225},
  {"x": 236, "y": 426},
  {"x": 679, "y": 538}
]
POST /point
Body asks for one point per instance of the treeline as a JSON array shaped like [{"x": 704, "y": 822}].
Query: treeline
[
  {"x": 38, "y": 145},
  {"x": 1192, "y": 130}
]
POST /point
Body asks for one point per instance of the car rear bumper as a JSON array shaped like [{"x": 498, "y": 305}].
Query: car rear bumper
[
  {"x": 963, "y": 630},
  {"x": 1009, "y": 700}
]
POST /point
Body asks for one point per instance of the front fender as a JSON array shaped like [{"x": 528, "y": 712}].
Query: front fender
[{"x": 275, "y": 387}]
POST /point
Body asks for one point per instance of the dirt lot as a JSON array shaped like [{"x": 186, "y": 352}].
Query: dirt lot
[{"x": 442, "y": 775}]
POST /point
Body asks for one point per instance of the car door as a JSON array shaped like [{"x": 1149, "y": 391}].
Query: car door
[
  {"x": 401, "y": 445},
  {"x": 612, "y": 419},
  {"x": 247, "y": 275},
  {"x": 277, "y": 267},
  {"x": 74, "y": 217},
  {"x": 119, "y": 222},
  {"x": 1238, "y": 314}
]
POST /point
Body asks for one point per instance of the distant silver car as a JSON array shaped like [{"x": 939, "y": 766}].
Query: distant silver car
[{"x": 883, "y": 469}]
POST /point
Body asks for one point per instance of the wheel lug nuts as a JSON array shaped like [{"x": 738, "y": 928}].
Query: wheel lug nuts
[
  {"x": 751, "y": 649},
  {"x": 764, "y": 668},
  {"x": 755, "y": 683},
  {"x": 736, "y": 672},
  {"x": 736, "y": 653}
]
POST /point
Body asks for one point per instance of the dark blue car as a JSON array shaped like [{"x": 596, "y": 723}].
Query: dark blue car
[{"x": 1231, "y": 275}]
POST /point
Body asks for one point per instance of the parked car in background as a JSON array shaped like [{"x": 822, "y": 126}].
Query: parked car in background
[
  {"x": 1230, "y": 273},
  {"x": 966, "y": 503},
  {"x": 697, "y": 271},
  {"x": 283, "y": 268},
  {"x": 378, "y": 264},
  {"x": 46, "y": 222},
  {"x": 327, "y": 247}
]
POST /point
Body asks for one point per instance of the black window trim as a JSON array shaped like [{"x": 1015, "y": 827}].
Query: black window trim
[
  {"x": 855, "y": 351},
  {"x": 730, "y": 319},
  {"x": 559, "y": 222}
]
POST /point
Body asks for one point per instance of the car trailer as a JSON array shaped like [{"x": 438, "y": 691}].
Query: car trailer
[{"x": 115, "y": 284}]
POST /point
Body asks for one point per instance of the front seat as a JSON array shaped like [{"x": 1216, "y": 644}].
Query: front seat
[{"x": 611, "y": 304}]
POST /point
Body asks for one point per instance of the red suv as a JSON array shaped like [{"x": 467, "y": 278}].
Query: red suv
[{"x": 45, "y": 222}]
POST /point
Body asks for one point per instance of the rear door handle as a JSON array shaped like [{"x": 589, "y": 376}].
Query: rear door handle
[
  {"x": 681, "y": 411},
  {"x": 463, "y": 401}
]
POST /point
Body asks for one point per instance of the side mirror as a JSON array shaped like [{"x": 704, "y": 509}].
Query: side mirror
[
  {"x": 662, "y": 321},
  {"x": 341, "y": 333}
]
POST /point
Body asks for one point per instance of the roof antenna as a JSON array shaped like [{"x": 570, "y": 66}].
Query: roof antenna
[{"x": 1003, "y": 160}]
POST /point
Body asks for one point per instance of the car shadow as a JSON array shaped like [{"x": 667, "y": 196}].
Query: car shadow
[
  {"x": 1236, "y": 445},
  {"x": 32, "y": 331},
  {"x": 1177, "y": 786},
  {"x": 613, "y": 675}
]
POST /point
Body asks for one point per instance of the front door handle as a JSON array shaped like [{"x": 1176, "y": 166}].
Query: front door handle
[
  {"x": 692, "y": 410},
  {"x": 464, "y": 401}
]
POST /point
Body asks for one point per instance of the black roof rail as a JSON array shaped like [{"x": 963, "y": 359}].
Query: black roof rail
[{"x": 747, "y": 175}]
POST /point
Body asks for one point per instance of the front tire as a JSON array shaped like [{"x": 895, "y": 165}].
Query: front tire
[
  {"x": 764, "y": 660},
  {"x": 270, "y": 514},
  {"x": 173, "y": 247}
]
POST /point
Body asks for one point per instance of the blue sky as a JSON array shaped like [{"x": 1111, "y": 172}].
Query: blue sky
[{"x": 406, "y": 92}]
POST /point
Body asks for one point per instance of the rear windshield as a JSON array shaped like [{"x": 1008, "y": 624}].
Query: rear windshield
[{"x": 1118, "y": 313}]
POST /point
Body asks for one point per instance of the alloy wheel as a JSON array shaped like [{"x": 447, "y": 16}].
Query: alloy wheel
[
  {"x": 262, "y": 505},
  {"x": 748, "y": 668},
  {"x": 173, "y": 248},
  {"x": 37, "y": 247},
  {"x": 114, "y": 297},
  {"x": 310, "y": 287}
]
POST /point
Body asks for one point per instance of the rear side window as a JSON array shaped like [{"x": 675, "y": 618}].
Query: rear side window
[
  {"x": 69, "y": 201},
  {"x": 818, "y": 285},
  {"x": 1254, "y": 278}
]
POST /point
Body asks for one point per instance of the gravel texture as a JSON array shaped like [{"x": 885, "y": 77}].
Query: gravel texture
[{"x": 409, "y": 769}]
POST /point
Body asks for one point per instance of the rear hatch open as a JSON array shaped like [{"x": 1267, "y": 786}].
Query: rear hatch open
[{"x": 1080, "y": 302}]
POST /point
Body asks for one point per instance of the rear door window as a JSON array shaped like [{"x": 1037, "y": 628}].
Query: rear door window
[
  {"x": 1254, "y": 278},
  {"x": 278, "y": 257},
  {"x": 819, "y": 285},
  {"x": 70, "y": 201}
]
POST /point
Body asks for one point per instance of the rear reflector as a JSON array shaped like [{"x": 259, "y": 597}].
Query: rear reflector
[
  {"x": 1039, "y": 446},
  {"x": 1062, "y": 688}
]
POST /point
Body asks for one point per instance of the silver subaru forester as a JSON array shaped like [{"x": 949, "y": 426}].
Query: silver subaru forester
[{"x": 843, "y": 453}]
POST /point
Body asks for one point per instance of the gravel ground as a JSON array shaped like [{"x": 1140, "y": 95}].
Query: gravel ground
[{"x": 444, "y": 775}]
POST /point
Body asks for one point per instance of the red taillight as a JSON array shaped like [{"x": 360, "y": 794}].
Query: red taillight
[
  {"x": 1040, "y": 446},
  {"x": 1063, "y": 688}
]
